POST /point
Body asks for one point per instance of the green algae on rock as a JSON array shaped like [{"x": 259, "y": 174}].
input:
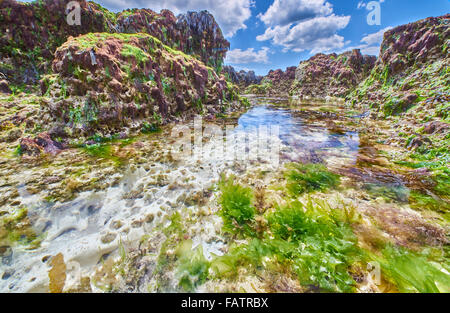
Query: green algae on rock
[{"x": 135, "y": 74}]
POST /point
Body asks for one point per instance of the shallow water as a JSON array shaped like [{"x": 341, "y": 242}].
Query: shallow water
[{"x": 94, "y": 225}]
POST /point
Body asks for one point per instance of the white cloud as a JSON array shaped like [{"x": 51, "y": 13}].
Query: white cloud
[
  {"x": 318, "y": 34},
  {"x": 230, "y": 14},
  {"x": 370, "y": 44},
  {"x": 283, "y": 12},
  {"x": 375, "y": 38},
  {"x": 238, "y": 56}
]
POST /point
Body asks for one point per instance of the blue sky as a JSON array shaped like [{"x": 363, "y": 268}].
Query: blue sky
[
  {"x": 393, "y": 13},
  {"x": 272, "y": 34}
]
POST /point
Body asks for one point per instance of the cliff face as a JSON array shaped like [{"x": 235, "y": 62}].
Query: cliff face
[
  {"x": 107, "y": 81},
  {"x": 195, "y": 33},
  {"x": 31, "y": 32},
  {"x": 412, "y": 70},
  {"x": 331, "y": 75}
]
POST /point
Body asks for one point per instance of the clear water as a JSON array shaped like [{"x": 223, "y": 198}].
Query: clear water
[{"x": 76, "y": 228}]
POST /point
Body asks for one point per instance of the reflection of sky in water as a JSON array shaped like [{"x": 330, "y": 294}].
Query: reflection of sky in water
[{"x": 294, "y": 132}]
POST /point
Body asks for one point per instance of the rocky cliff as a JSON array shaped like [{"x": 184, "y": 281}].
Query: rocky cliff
[
  {"x": 412, "y": 70},
  {"x": 242, "y": 78},
  {"x": 104, "y": 82},
  {"x": 195, "y": 33},
  {"x": 331, "y": 75},
  {"x": 31, "y": 32},
  {"x": 276, "y": 82}
]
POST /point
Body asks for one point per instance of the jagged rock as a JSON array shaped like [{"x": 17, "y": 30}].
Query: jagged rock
[
  {"x": 436, "y": 127},
  {"x": 241, "y": 78},
  {"x": 4, "y": 87},
  {"x": 331, "y": 75},
  {"x": 134, "y": 77},
  {"x": 193, "y": 33},
  {"x": 413, "y": 61},
  {"x": 276, "y": 82},
  {"x": 42, "y": 143},
  {"x": 31, "y": 32}
]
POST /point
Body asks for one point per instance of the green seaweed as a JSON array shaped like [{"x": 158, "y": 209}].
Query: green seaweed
[
  {"x": 413, "y": 272},
  {"x": 237, "y": 210},
  {"x": 305, "y": 178},
  {"x": 193, "y": 267}
]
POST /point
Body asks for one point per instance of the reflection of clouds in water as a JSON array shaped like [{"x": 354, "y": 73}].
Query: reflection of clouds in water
[{"x": 295, "y": 135}]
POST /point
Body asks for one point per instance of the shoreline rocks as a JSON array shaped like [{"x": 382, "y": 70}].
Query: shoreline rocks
[{"x": 331, "y": 75}]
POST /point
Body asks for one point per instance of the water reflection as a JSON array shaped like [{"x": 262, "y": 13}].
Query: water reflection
[{"x": 306, "y": 141}]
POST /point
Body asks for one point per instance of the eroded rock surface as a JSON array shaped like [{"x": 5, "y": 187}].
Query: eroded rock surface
[
  {"x": 31, "y": 32},
  {"x": 331, "y": 75},
  {"x": 108, "y": 81},
  {"x": 412, "y": 69}
]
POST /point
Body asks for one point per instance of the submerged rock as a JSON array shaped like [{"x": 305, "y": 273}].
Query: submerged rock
[
  {"x": 4, "y": 87},
  {"x": 42, "y": 143}
]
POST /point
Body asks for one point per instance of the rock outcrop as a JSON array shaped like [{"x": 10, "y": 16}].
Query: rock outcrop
[
  {"x": 31, "y": 32},
  {"x": 195, "y": 33},
  {"x": 412, "y": 70},
  {"x": 242, "y": 78},
  {"x": 276, "y": 82},
  {"x": 107, "y": 81},
  {"x": 331, "y": 75}
]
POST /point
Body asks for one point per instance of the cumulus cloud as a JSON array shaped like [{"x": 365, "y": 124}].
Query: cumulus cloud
[
  {"x": 283, "y": 12},
  {"x": 230, "y": 14},
  {"x": 300, "y": 25},
  {"x": 238, "y": 56},
  {"x": 317, "y": 34},
  {"x": 375, "y": 38},
  {"x": 370, "y": 44}
]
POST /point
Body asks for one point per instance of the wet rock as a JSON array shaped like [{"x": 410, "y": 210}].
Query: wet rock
[
  {"x": 436, "y": 127},
  {"x": 149, "y": 218},
  {"x": 108, "y": 238},
  {"x": 4, "y": 87},
  {"x": 42, "y": 143},
  {"x": 136, "y": 224},
  {"x": 418, "y": 141},
  {"x": 6, "y": 255},
  {"x": 116, "y": 225},
  {"x": 8, "y": 273},
  {"x": 13, "y": 135}
]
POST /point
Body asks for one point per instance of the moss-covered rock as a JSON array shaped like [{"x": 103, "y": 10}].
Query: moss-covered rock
[
  {"x": 412, "y": 70},
  {"x": 31, "y": 32},
  {"x": 331, "y": 75},
  {"x": 108, "y": 81}
]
